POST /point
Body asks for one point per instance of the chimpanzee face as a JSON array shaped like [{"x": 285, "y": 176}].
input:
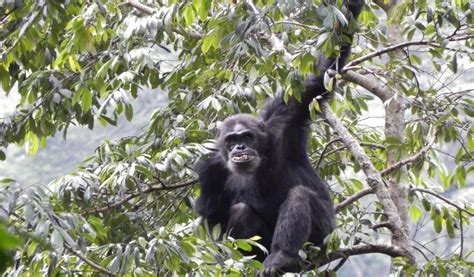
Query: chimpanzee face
[{"x": 239, "y": 142}]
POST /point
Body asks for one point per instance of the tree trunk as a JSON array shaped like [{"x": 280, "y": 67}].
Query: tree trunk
[{"x": 395, "y": 128}]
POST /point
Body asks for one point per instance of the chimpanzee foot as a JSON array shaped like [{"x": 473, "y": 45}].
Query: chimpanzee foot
[{"x": 277, "y": 261}]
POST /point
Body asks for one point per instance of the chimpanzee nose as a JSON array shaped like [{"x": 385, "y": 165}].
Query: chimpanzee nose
[{"x": 240, "y": 147}]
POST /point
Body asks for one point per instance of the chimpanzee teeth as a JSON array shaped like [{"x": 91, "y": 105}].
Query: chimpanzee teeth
[{"x": 241, "y": 158}]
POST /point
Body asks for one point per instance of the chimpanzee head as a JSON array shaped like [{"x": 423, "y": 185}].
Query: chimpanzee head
[{"x": 242, "y": 142}]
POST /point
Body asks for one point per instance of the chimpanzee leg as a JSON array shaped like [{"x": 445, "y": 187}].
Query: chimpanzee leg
[
  {"x": 302, "y": 217},
  {"x": 245, "y": 223}
]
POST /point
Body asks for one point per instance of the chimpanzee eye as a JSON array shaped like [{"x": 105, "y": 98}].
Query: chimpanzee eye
[{"x": 230, "y": 144}]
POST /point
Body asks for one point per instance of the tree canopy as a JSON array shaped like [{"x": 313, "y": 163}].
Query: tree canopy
[{"x": 128, "y": 210}]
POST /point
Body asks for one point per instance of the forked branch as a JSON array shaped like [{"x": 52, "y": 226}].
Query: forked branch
[{"x": 374, "y": 178}]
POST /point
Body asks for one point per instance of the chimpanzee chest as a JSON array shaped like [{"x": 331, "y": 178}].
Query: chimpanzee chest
[{"x": 263, "y": 198}]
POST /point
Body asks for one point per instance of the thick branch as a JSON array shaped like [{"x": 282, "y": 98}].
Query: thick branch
[
  {"x": 437, "y": 195},
  {"x": 374, "y": 179},
  {"x": 351, "y": 199},
  {"x": 88, "y": 261},
  {"x": 399, "y": 46},
  {"x": 371, "y": 85},
  {"x": 392, "y": 251},
  {"x": 142, "y": 7},
  {"x": 341, "y": 206},
  {"x": 384, "y": 224},
  {"x": 133, "y": 195}
]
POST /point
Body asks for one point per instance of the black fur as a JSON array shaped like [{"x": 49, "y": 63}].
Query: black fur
[{"x": 276, "y": 193}]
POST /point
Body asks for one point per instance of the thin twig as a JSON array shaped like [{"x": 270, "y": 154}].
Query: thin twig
[
  {"x": 411, "y": 159},
  {"x": 461, "y": 235},
  {"x": 324, "y": 150},
  {"x": 88, "y": 261},
  {"x": 398, "y": 46},
  {"x": 367, "y": 144},
  {"x": 312, "y": 28},
  {"x": 133, "y": 195},
  {"x": 437, "y": 195},
  {"x": 325, "y": 154}
]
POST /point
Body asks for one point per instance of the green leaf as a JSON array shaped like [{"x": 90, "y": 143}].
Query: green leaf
[
  {"x": 255, "y": 238},
  {"x": 454, "y": 63},
  {"x": 420, "y": 25},
  {"x": 426, "y": 205},
  {"x": 328, "y": 81},
  {"x": 86, "y": 100},
  {"x": 5, "y": 79},
  {"x": 357, "y": 184},
  {"x": 7, "y": 240},
  {"x": 204, "y": 9},
  {"x": 115, "y": 264},
  {"x": 340, "y": 16},
  {"x": 129, "y": 112},
  {"x": 450, "y": 227},
  {"x": 31, "y": 97},
  {"x": 438, "y": 224},
  {"x": 189, "y": 15},
  {"x": 210, "y": 40},
  {"x": 32, "y": 144},
  {"x": 31, "y": 248},
  {"x": 415, "y": 213},
  {"x": 56, "y": 240},
  {"x": 216, "y": 231},
  {"x": 393, "y": 141},
  {"x": 242, "y": 244}
]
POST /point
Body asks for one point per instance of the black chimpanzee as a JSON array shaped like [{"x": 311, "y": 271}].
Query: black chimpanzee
[{"x": 261, "y": 182}]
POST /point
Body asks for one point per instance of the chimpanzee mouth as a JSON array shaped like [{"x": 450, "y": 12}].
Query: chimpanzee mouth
[{"x": 242, "y": 158}]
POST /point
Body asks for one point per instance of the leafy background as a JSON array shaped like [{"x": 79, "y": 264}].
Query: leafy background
[{"x": 127, "y": 208}]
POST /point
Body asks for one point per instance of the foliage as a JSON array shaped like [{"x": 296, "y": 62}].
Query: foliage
[{"x": 128, "y": 209}]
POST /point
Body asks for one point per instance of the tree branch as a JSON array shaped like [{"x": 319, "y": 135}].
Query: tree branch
[
  {"x": 325, "y": 154},
  {"x": 398, "y": 46},
  {"x": 88, "y": 261},
  {"x": 133, "y": 195},
  {"x": 367, "y": 144},
  {"x": 411, "y": 159},
  {"x": 139, "y": 6},
  {"x": 437, "y": 195},
  {"x": 286, "y": 22},
  {"x": 384, "y": 224},
  {"x": 374, "y": 179},
  {"x": 351, "y": 199},
  {"x": 392, "y": 251},
  {"x": 371, "y": 85},
  {"x": 325, "y": 148}
]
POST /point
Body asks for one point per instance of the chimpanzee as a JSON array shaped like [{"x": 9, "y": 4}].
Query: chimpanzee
[{"x": 261, "y": 182}]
